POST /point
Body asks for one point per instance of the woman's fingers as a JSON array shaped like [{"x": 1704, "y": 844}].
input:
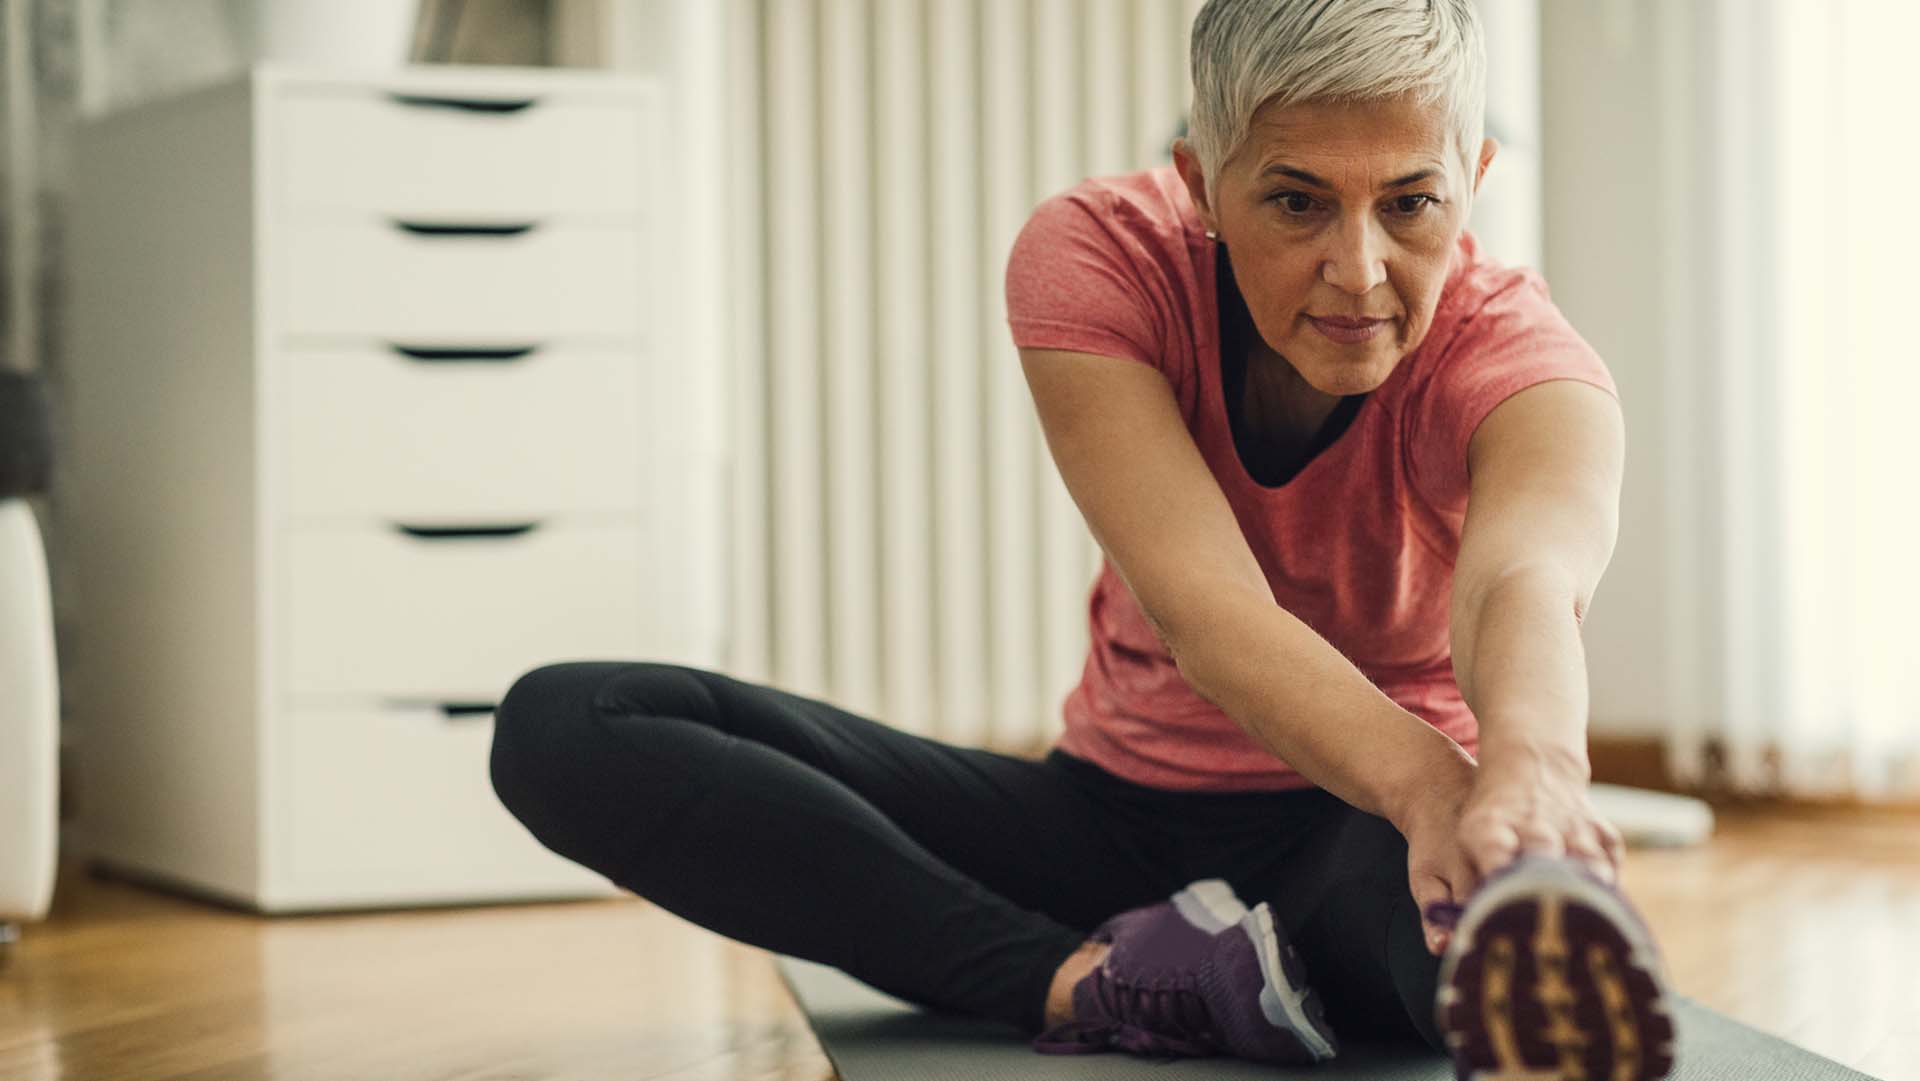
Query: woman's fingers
[
  {"x": 1539, "y": 835},
  {"x": 1429, "y": 892},
  {"x": 1588, "y": 847},
  {"x": 1462, "y": 881},
  {"x": 1613, "y": 844},
  {"x": 1492, "y": 846},
  {"x": 1441, "y": 880}
]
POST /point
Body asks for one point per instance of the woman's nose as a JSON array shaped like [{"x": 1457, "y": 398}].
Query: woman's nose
[{"x": 1355, "y": 261}]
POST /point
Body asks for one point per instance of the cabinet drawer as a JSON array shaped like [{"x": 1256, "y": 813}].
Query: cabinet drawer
[
  {"x": 419, "y": 283},
  {"x": 392, "y": 805},
  {"x": 372, "y": 610},
  {"x": 410, "y": 432},
  {"x": 495, "y": 153}
]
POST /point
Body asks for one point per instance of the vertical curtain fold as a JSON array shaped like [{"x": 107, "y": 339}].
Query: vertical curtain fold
[{"x": 1800, "y": 283}]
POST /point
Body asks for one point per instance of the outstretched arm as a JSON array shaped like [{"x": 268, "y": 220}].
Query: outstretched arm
[{"x": 1542, "y": 516}]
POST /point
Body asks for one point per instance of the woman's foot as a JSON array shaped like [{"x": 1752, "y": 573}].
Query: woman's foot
[
  {"x": 1195, "y": 975},
  {"x": 1551, "y": 971},
  {"x": 1074, "y": 969},
  {"x": 1209, "y": 904}
]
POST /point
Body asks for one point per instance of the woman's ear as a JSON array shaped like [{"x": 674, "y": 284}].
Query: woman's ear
[
  {"x": 1196, "y": 181},
  {"x": 1487, "y": 148}
]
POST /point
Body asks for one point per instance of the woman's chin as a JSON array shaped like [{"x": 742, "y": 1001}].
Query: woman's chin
[{"x": 1346, "y": 375}]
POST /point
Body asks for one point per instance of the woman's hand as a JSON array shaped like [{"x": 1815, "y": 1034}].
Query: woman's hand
[
  {"x": 1439, "y": 869},
  {"x": 1467, "y": 824},
  {"x": 1518, "y": 805}
]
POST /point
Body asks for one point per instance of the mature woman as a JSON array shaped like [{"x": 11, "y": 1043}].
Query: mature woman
[{"x": 1356, "y": 483}]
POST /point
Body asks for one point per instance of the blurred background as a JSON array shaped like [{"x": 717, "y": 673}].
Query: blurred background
[{"x": 384, "y": 350}]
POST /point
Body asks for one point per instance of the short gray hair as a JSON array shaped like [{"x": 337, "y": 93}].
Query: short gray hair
[{"x": 1248, "y": 52}]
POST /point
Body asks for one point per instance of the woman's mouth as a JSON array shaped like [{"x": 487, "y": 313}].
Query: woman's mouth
[{"x": 1347, "y": 331}]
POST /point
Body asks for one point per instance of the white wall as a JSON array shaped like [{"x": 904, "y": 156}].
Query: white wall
[
  {"x": 1610, "y": 201},
  {"x": 684, "y": 43},
  {"x": 1506, "y": 213}
]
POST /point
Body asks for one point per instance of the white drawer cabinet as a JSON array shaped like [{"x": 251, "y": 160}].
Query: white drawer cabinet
[
  {"x": 410, "y": 282},
  {"x": 364, "y": 382},
  {"x": 454, "y": 438},
  {"x": 403, "y": 829},
  {"x": 408, "y": 611},
  {"x": 525, "y": 151}
]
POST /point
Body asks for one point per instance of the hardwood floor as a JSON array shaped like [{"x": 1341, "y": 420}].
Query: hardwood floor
[{"x": 1804, "y": 923}]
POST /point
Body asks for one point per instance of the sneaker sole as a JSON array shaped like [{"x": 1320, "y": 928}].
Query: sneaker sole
[
  {"x": 1285, "y": 999},
  {"x": 1552, "y": 976}
]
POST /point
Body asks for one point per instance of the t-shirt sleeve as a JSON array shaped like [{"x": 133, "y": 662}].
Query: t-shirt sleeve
[
  {"x": 1517, "y": 339},
  {"x": 1076, "y": 281}
]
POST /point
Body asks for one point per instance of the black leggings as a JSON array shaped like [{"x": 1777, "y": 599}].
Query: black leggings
[{"x": 954, "y": 878}]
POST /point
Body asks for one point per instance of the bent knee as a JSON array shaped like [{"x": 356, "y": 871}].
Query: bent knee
[
  {"x": 538, "y": 726},
  {"x": 547, "y": 739}
]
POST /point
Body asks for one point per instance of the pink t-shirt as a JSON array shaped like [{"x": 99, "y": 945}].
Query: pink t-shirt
[{"x": 1359, "y": 544}]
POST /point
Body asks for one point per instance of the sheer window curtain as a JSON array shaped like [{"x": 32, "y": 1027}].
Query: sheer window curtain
[{"x": 1797, "y": 366}]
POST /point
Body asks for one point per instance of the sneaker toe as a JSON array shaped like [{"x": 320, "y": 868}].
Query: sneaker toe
[
  {"x": 1556, "y": 975},
  {"x": 1262, "y": 1002}
]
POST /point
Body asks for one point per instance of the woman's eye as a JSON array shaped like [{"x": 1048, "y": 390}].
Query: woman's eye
[
  {"x": 1299, "y": 204},
  {"x": 1294, "y": 202}
]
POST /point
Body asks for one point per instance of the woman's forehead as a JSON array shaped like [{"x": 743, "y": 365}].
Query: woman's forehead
[{"x": 1391, "y": 138}]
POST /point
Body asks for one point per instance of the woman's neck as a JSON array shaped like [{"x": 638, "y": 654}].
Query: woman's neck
[{"x": 1278, "y": 400}]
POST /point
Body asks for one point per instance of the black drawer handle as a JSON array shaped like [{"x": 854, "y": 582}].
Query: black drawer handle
[
  {"x": 466, "y": 105},
  {"x": 435, "y": 353},
  {"x": 464, "y": 228},
  {"x": 451, "y": 710},
  {"x": 462, "y": 532}
]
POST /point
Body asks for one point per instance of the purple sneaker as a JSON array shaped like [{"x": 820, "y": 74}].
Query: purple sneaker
[
  {"x": 1552, "y": 973},
  {"x": 1196, "y": 975}
]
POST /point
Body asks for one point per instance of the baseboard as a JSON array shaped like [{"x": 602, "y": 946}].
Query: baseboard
[
  {"x": 1633, "y": 761},
  {"x": 1641, "y": 762}
]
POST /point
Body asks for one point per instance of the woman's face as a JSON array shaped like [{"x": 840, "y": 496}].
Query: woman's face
[{"x": 1340, "y": 221}]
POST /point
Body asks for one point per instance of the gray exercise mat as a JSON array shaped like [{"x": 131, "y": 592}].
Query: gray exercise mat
[{"x": 872, "y": 1036}]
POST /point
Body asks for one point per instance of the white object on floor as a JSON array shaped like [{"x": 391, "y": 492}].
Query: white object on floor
[
  {"x": 1650, "y": 819},
  {"x": 29, "y": 721}
]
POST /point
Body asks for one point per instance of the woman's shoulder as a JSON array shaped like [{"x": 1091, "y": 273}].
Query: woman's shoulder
[
  {"x": 1152, "y": 205},
  {"x": 1106, "y": 267},
  {"x": 1496, "y": 331},
  {"x": 1485, "y": 299}
]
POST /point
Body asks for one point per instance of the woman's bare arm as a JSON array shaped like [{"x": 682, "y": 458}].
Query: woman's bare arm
[{"x": 1116, "y": 435}]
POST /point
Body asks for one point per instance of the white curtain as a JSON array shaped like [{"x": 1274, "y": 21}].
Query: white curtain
[{"x": 1795, "y": 289}]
